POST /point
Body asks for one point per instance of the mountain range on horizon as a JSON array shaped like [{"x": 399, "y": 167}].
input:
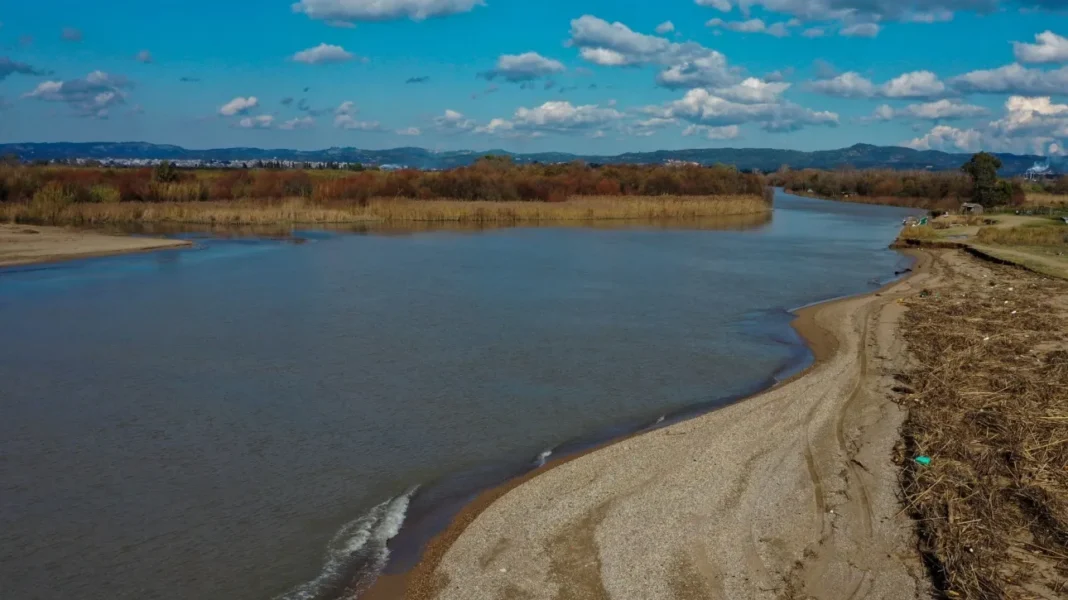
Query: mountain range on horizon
[{"x": 859, "y": 156}]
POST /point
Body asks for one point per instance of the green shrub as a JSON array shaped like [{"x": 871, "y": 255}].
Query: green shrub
[{"x": 104, "y": 194}]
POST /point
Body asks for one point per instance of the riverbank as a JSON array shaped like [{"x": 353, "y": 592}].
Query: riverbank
[
  {"x": 388, "y": 211},
  {"x": 21, "y": 244},
  {"x": 789, "y": 493}
]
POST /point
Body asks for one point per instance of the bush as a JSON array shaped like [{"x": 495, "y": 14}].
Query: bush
[
  {"x": 105, "y": 194},
  {"x": 48, "y": 203}
]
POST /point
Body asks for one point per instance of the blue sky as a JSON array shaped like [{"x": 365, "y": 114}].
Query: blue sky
[{"x": 590, "y": 76}]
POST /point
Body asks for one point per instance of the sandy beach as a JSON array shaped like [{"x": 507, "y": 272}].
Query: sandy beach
[
  {"x": 25, "y": 244},
  {"x": 792, "y": 493}
]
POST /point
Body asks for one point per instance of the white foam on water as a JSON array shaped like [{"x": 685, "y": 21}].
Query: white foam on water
[
  {"x": 543, "y": 457},
  {"x": 659, "y": 421},
  {"x": 364, "y": 537}
]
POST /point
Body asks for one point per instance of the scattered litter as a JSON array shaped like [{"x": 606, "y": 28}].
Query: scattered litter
[
  {"x": 503, "y": 570},
  {"x": 923, "y": 460},
  {"x": 986, "y": 339},
  {"x": 1013, "y": 312}
]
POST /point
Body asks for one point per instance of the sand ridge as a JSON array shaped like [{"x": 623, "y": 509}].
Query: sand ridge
[
  {"x": 26, "y": 244},
  {"x": 789, "y": 494}
]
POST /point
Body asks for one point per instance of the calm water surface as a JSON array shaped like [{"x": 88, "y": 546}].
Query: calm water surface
[{"x": 226, "y": 422}]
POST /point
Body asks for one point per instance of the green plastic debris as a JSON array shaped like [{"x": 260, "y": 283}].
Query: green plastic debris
[{"x": 923, "y": 460}]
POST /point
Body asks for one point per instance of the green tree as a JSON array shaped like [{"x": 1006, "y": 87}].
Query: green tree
[{"x": 983, "y": 169}]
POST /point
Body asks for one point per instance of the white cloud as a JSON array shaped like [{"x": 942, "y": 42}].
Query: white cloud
[
  {"x": 729, "y": 132},
  {"x": 1049, "y": 48},
  {"x": 866, "y": 30},
  {"x": 722, "y": 5},
  {"x": 410, "y": 131},
  {"x": 615, "y": 45},
  {"x": 1024, "y": 115},
  {"x": 382, "y": 10},
  {"x": 257, "y": 122},
  {"x": 871, "y": 11},
  {"x": 702, "y": 107},
  {"x": 144, "y": 56},
  {"x": 753, "y": 91},
  {"x": 814, "y": 32},
  {"x": 944, "y": 110},
  {"x": 91, "y": 97},
  {"x": 941, "y": 110},
  {"x": 348, "y": 121},
  {"x": 751, "y": 26},
  {"x": 550, "y": 117},
  {"x": 648, "y": 127},
  {"x": 298, "y": 123},
  {"x": 665, "y": 28},
  {"x": 917, "y": 84},
  {"x": 238, "y": 106},
  {"x": 523, "y": 67},
  {"x": 946, "y": 138},
  {"x": 347, "y": 107},
  {"x": 847, "y": 85},
  {"x": 323, "y": 54},
  {"x": 453, "y": 122},
  {"x": 1013, "y": 79}
]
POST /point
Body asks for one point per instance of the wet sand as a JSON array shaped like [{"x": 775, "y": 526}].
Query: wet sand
[
  {"x": 791, "y": 493},
  {"x": 26, "y": 244}
]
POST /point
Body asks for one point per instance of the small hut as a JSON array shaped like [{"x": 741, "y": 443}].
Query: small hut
[{"x": 971, "y": 208}]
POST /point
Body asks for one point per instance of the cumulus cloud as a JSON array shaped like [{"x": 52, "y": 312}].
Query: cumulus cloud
[
  {"x": 941, "y": 110},
  {"x": 347, "y": 11},
  {"x": 144, "y": 56},
  {"x": 238, "y": 106},
  {"x": 518, "y": 68},
  {"x": 453, "y": 122},
  {"x": 90, "y": 97},
  {"x": 1012, "y": 79},
  {"x": 722, "y": 5},
  {"x": 946, "y": 138},
  {"x": 751, "y": 26},
  {"x": 703, "y": 107},
  {"x": 665, "y": 28},
  {"x": 257, "y": 122},
  {"x": 728, "y": 132},
  {"x": 616, "y": 45},
  {"x": 8, "y": 67},
  {"x": 409, "y": 131},
  {"x": 814, "y": 32},
  {"x": 1031, "y": 115},
  {"x": 553, "y": 117},
  {"x": 917, "y": 84},
  {"x": 323, "y": 54},
  {"x": 298, "y": 123},
  {"x": 865, "y": 30},
  {"x": 753, "y": 91},
  {"x": 352, "y": 123},
  {"x": 71, "y": 34},
  {"x": 847, "y": 85},
  {"x": 1048, "y": 48}
]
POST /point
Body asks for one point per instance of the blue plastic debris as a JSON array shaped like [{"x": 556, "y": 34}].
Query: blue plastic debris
[{"x": 923, "y": 460}]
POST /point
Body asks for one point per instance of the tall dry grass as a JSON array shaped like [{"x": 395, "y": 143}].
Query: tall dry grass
[
  {"x": 301, "y": 210},
  {"x": 1028, "y": 235},
  {"x": 1047, "y": 200}
]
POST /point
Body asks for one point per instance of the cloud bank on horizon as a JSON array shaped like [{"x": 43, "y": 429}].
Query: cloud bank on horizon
[{"x": 592, "y": 76}]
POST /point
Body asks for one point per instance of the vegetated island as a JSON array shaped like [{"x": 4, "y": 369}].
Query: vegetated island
[{"x": 494, "y": 190}]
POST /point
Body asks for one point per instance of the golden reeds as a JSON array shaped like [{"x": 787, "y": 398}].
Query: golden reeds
[{"x": 299, "y": 210}]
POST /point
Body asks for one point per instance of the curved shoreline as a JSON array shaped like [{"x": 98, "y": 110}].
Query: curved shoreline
[
  {"x": 22, "y": 245},
  {"x": 424, "y": 581}
]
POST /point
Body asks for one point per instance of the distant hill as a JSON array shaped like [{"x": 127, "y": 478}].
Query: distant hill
[{"x": 860, "y": 156}]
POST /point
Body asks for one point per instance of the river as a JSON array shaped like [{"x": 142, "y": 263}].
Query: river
[{"x": 232, "y": 421}]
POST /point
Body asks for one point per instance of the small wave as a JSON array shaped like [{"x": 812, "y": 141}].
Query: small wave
[
  {"x": 660, "y": 420},
  {"x": 356, "y": 554},
  {"x": 540, "y": 461}
]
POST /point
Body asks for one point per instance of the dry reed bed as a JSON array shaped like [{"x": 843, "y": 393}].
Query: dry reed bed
[
  {"x": 298, "y": 210},
  {"x": 988, "y": 402},
  {"x": 1052, "y": 200},
  {"x": 1032, "y": 235}
]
